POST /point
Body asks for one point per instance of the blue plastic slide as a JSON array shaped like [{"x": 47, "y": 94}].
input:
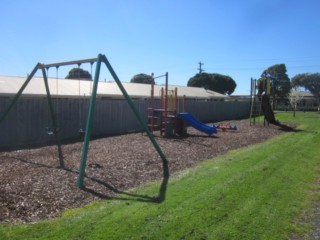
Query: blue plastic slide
[{"x": 195, "y": 123}]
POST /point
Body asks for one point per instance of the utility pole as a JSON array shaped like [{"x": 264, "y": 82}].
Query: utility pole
[{"x": 200, "y": 67}]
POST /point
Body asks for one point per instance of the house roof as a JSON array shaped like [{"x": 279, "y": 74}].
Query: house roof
[{"x": 81, "y": 88}]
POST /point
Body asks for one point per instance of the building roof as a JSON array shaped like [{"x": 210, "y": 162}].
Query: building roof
[{"x": 72, "y": 88}]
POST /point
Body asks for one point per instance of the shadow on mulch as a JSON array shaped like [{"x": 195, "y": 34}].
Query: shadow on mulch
[{"x": 133, "y": 197}]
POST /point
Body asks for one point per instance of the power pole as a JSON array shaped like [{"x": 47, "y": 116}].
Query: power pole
[{"x": 200, "y": 67}]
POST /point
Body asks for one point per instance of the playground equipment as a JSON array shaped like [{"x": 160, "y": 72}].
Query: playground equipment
[
  {"x": 190, "y": 119},
  {"x": 260, "y": 101},
  {"x": 225, "y": 127},
  {"x": 99, "y": 60},
  {"x": 163, "y": 118},
  {"x": 167, "y": 118}
]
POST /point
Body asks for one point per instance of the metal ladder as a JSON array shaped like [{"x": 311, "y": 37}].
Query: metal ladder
[{"x": 256, "y": 109}]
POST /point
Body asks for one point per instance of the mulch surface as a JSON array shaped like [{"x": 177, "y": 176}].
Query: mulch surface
[{"x": 33, "y": 186}]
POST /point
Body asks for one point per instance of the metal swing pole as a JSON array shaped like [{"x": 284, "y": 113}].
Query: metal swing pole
[
  {"x": 16, "y": 97},
  {"x": 53, "y": 118},
  {"x": 138, "y": 116},
  {"x": 89, "y": 124},
  {"x": 102, "y": 58}
]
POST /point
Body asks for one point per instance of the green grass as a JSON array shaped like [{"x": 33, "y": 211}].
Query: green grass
[{"x": 256, "y": 192}]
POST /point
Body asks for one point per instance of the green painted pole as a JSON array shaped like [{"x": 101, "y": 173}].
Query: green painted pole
[
  {"x": 16, "y": 97},
  {"x": 135, "y": 111},
  {"x": 89, "y": 124},
  {"x": 53, "y": 118}
]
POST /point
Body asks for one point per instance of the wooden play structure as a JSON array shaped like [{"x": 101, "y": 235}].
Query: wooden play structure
[
  {"x": 260, "y": 101},
  {"x": 164, "y": 119},
  {"x": 168, "y": 119}
]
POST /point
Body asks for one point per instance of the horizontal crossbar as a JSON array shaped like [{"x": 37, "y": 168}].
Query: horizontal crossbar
[
  {"x": 160, "y": 76},
  {"x": 90, "y": 60}
]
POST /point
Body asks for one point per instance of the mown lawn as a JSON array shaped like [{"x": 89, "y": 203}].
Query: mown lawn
[{"x": 256, "y": 192}]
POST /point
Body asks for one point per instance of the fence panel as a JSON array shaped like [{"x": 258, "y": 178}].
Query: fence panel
[
  {"x": 25, "y": 125},
  {"x": 213, "y": 111}
]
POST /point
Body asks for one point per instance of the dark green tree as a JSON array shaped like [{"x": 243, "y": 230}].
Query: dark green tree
[
  {"x": 78, "y": 73},
  {"x": 142, "y": 78},
  {"x": 213, "y": 81},
  {"x": 279, "y": 80},
  {"x": 310, "y": 82}
]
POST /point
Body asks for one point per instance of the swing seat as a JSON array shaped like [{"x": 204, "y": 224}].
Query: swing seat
[
  {"x": 48, "y": 130},
  {"x": 81, "y": 131}
]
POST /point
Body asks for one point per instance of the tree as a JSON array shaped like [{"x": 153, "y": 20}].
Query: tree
[
  {"x": 310, "y": 82},
  {"x": 279, "y": 80},
  {"x": 294, "y": 98},
  {"x": 142, "y": 78},
  {"x": 78, "y": 73},
  {"x": 213, "y": 81}
]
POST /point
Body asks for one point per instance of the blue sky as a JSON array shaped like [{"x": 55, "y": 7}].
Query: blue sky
[{"x": 236, "y": 38}]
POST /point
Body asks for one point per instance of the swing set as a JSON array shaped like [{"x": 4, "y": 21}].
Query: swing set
[
  {"x": 86, "y": 132},
  {"x": 81, "y": 131}
]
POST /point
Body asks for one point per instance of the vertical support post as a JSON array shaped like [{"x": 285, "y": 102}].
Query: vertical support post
[
  {"x": 162, "y": 112},
  {"x": 53, "y": 118},
  {"x": 152, "y": 104},
  {"x": 175, "y": 108},
  {"x": 16, "y": 97},
  {"x": 253, "y": 101},
  {"x": 138, "y": 116},
  {"x": 253, "y": 87},
  {"x": 166, "y": 105},
  {"x": 175, "y": 99},
  {"x": 162, "y": 98},
  {"x": 89, "y": 124}
]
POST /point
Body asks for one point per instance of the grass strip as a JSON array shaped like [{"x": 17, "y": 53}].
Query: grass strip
[{"x": 255, "y": 192}]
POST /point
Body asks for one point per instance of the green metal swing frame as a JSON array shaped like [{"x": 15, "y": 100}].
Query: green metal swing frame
[{"x": 99, "y": 60}]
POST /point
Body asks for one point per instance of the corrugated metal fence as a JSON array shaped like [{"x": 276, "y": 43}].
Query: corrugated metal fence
[{"x": 25, "y": 125}]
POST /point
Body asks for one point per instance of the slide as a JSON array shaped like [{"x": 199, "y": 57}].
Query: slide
[
  {"x": 267, "y": 110},
  {"x": 195, "y": 123}
]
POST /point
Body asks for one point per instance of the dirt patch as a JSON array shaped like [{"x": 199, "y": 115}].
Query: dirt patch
[{"x": 33, "y": 187}]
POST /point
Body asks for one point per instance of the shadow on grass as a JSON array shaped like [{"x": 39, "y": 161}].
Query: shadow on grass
[{"x": 286, "y": 128}]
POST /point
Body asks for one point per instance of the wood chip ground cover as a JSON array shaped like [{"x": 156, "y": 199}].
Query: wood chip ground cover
[{"x": 33, "y": 187}]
